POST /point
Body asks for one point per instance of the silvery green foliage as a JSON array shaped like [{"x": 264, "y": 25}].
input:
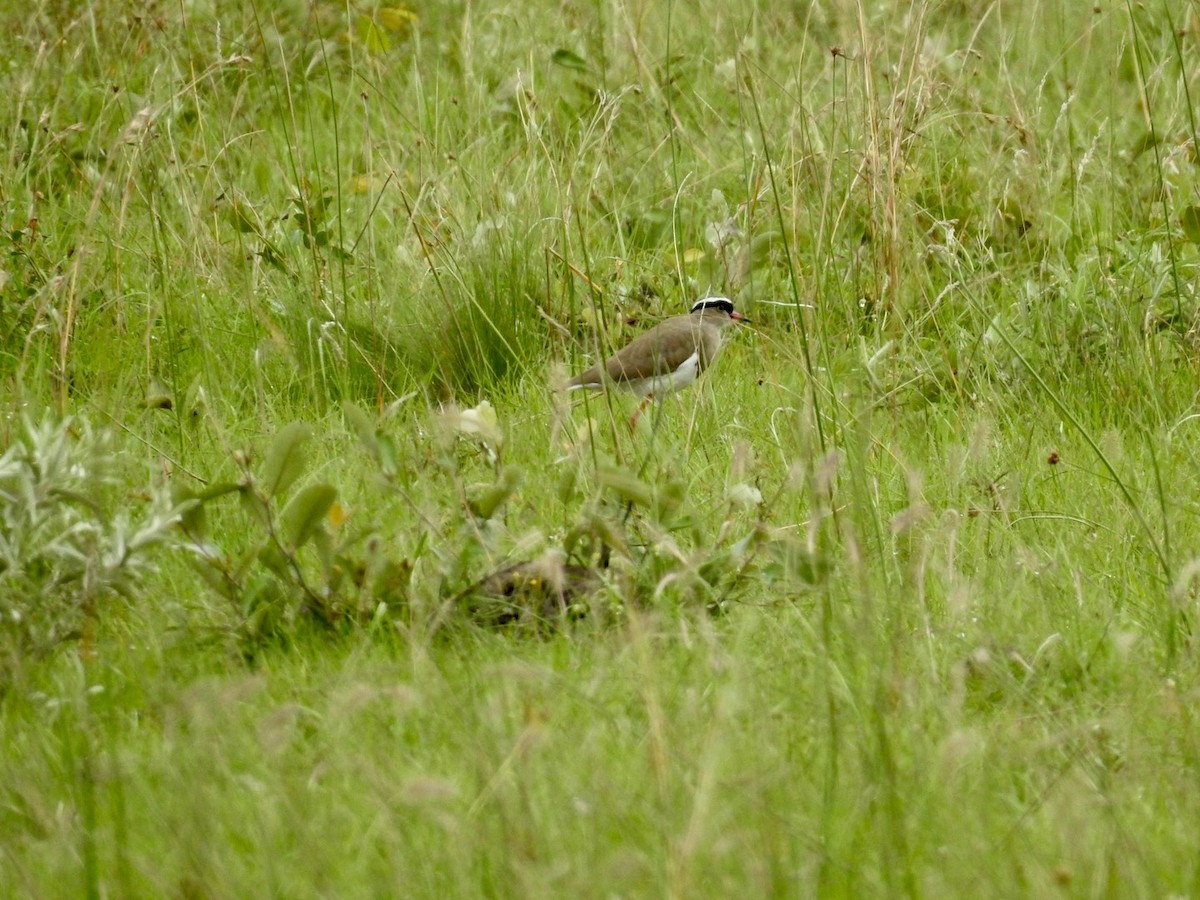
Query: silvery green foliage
[{"x": 63, "y": 546}]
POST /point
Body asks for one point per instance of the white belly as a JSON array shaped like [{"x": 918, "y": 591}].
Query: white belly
[{"x": 661, "y": 385}]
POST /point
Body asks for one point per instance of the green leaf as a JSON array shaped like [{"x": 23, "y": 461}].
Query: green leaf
[
  {"x": 213, "y": 575},
  {"x": 1148, "y": 141},
  {"x": 762, "y": 243},
  {"x": 625, "y": 484},
  {"x": 243, "y": 218},
  {"x": 566, "y": 484},
  {"x": 1190, "y": 220},
  {"x": 319, "y": 206},
  {"x": 256, "y": 507},
  {"x": 192, "y": 520},
  {"x": 568, "y": 59},
  {"x": 387, "y": 455},
  {"x": 191, "y": 517},
  {"x": 305, "y": 513},
  {"x": 272, "y": 257},
  {"x": 323, "y": 545},
  {"x": 213, "y": 491},
  {"x": 285, "y": 460},
  {"x": 371, "y": 36},
  {"x": 485, "y": 505},
  {"x": 274, "y": 559},
  {"x": 362, "y": 425},
  {"x": 668, "y": 498}
]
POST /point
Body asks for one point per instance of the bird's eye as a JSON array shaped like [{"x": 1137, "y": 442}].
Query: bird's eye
[{"x": 721, "y": 303}]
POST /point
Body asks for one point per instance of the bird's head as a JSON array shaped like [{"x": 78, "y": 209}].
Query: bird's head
[{"x": 718, "y": 305}]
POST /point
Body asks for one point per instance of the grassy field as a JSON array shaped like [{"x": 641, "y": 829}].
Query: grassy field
[{"x": 899, "y": 599}]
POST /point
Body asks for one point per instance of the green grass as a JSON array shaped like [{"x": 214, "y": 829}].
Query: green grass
[{"x": 951, "y": 653}]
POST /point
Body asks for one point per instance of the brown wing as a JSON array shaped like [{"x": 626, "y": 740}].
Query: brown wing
[{"x": 659, "y": 351}]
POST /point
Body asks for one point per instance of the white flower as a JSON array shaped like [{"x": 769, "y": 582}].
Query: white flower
[
  {"x": 744, "y": 495},
  {"x": 480, "y": 421}
]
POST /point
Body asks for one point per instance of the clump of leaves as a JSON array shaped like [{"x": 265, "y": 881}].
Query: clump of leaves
[
  {"x": 627, "y": 542},
  {"x": 64, "y": 551},
  {"x": 308, "y": 223},
  {"x": 296, "y": 564},
  {"x": 653, "y": 537},
  {"x": 301, "y": 563}
]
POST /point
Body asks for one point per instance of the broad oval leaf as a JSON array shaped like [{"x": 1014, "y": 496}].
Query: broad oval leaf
[
  {"x": 1190, "y": 220},
  {"x": 569, "y": 59},
  {"x": 764, "y": 241},
  {"x": 213, "y": 491},
  {"x": 485, "y": 505},
  {"x": 273, "y": 559},
  {"x": 363, "y": 426},
  {"x": 192, "y": 519},
  {"x": 285, "y": 460},
  {"x": 304, "y": 514},
  {"x": 566, "y": 484},
  {"x": 625, "y": 484},
  {"x": 323, "y": 545}
]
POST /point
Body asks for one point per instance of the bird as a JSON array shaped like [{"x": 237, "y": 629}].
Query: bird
[{"x": 668, "y": 357}]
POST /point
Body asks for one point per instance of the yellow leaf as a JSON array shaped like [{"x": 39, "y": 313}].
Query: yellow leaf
[
  {"x": 693, "y": 254},
  {"x": 397, "y": 19},
  {"x": 337, "y": 515}
]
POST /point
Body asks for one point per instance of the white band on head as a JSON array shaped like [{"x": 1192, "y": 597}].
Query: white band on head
[{"x": 722, "y": 303}]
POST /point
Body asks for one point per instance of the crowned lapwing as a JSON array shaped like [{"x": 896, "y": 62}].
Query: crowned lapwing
[{"x": 668, "y": 357}]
